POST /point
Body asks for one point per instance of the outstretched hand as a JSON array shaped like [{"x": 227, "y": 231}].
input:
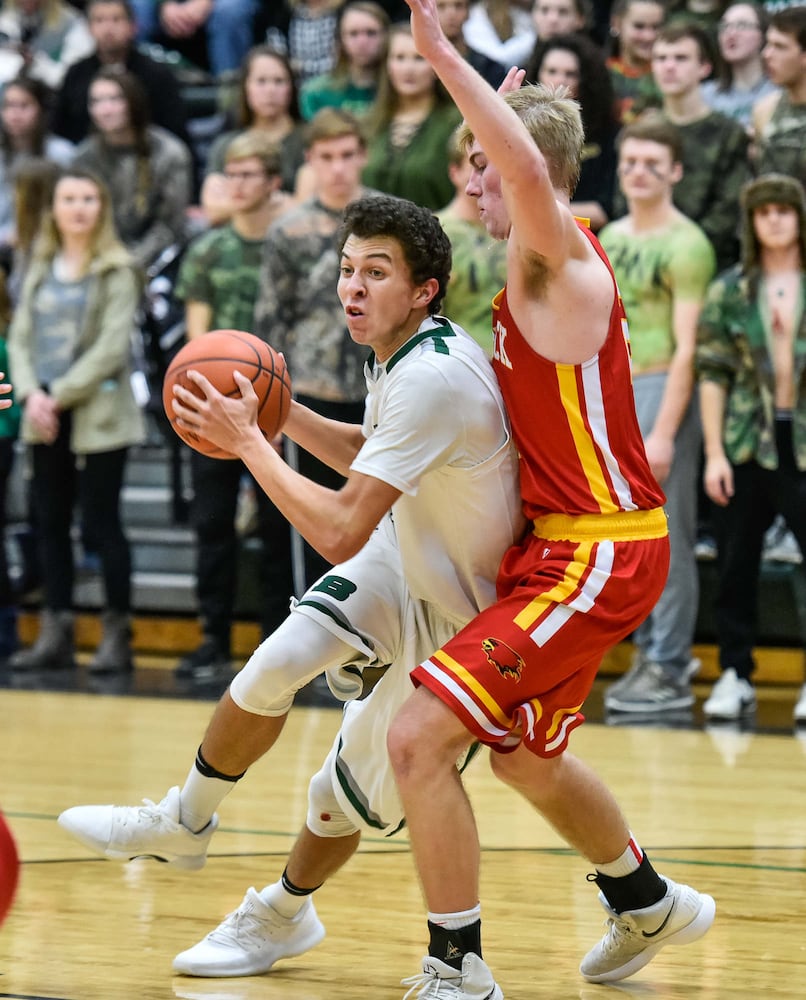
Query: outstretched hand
[
  {"x": 229, "y": 422},
  {"x": 512, "y": 81},
  {"x": 426, "y": 29},
  {"x": 429, "y": 37}
]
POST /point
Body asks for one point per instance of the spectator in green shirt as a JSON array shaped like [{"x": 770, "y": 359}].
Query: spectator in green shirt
[
  {"x": 360, "y": 50},
  {"x": 663, "y": 263},
  {"x": 409, "y": 128}
]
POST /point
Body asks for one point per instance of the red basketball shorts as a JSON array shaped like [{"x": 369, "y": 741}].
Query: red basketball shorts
[{"x": 576, "y": 586}]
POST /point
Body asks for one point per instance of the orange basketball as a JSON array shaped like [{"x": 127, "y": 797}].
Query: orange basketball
[
  {"x": 9, "y": 868},
  {"x": 217, "y": 355}
]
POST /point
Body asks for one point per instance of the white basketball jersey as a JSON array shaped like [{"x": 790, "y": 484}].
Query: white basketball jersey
[{"x": 437, "y": 430}]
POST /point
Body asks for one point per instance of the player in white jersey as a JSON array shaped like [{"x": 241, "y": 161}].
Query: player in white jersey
[{"x": 433, "y": 461}]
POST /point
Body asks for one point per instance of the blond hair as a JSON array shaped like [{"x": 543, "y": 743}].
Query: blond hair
[
  {"x": 255, "y": 143},
  {"x": 103, "y": 239},
  {"x": 333, "y": 123},
  {"x": 554, "y": 121}
]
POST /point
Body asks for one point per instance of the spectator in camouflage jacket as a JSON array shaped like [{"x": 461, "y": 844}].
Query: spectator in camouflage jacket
[
  {"x": 780, "y": 119},
  {"x": 751, "y": 368},
  {"x": 298, "y": 311},
  {"x": 715, "y": 161},
  {"x": 148, "y": 171},
  {"x": 218, "y": 283}
]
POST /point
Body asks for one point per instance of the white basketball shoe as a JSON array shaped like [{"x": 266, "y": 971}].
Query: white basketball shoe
[
  {"x": 251, "y": 939},
  {"x": 148, "y": 831},
  {"x": 439, "y": 981},
  {"x": 634, "y": 937}
]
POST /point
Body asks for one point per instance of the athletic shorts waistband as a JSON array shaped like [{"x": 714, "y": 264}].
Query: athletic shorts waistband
[{"x": 624, "y": 526}]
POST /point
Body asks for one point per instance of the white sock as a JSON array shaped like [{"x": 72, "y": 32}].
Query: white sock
[
  {"x": 625, "y": 864},
  {"x": 200, "y": 797},
  {"x": 455, "y": 921},
  {"x": 287, "y": 904}
]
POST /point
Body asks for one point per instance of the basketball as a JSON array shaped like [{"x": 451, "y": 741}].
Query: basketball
[
  {"x": 218, "y": 354},
  {"x": 9, "y": 868}
]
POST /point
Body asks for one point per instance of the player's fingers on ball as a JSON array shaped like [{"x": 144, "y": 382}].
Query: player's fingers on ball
[
  {"x": 187, "y": 424},
  {"x": 245, "y": 385},
  {"x": 201, "y": 381},
  {"x": 181, "y": 410},
  {"x": 186, "y": 396}
]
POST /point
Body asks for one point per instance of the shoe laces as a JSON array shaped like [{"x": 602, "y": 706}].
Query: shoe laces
[
  {"x": 151, "y": 812},
  {"x": 242, "y": 926},
  {"x": 620, "y": 930},
  {"x": 431, "y": 987}
]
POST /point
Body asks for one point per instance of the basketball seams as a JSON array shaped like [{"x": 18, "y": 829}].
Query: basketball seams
[{"x": 274, "y": 400}]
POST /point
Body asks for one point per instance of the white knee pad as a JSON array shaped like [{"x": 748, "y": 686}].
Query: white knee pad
[
  {"x": 292, "y": 655},
  {"x": 325, "y": 817}
]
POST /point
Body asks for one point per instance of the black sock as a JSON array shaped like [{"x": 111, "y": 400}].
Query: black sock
[
  {"x": 634, "y": 891},
  {"x": 451, "y": 946},
  {"x": 210, "y": 772}
]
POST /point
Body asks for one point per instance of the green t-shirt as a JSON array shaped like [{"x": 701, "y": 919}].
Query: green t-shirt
[
  {"x": 328, "y": 92},
  {"x": 653, "y": 271},
  {"x": 222, "y": 269}
]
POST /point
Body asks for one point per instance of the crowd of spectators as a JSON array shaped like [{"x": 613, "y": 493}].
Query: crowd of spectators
[{"x": 340, "y": 93}]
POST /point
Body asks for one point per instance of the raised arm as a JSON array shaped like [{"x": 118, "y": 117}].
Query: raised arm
[{"x": 541, "y": 225}]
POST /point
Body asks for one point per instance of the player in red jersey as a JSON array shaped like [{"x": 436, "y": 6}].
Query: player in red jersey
[{"x": 584, "y": 578}]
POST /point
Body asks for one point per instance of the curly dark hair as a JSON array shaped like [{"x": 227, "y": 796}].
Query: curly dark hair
[
  {"x": 425, "y": 245},
  {"x": 597, "y": 100}
]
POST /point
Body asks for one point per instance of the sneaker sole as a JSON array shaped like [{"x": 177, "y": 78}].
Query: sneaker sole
[
  {"x": 614, "y": 692},
  {"x": 211, "y": 970},
  {"x": 615, "y": 705},
  {"x": 204, "y": 673},
  {"x": 744, "y": 709},
  {"x": 693, "y": 931},
  {"x": 187, "y": 863}
]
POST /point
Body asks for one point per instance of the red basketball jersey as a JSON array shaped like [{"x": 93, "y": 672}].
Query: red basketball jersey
[{"x": 574, "y": 425}]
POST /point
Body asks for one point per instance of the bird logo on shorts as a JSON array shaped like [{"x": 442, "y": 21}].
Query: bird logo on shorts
[{"x": 505, "y": 659}]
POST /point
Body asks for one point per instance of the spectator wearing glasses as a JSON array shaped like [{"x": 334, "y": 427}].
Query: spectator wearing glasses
[
  {"x": 266, "y": 102},
  {"x": 740, "y": 79},
  {"x": 218, "y": 283}
]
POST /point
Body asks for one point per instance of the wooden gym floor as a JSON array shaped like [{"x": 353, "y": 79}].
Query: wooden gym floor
[{"x": 720, "y": 807}]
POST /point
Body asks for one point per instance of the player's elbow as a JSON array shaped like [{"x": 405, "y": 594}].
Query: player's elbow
[{"x": 342, "y": 543}]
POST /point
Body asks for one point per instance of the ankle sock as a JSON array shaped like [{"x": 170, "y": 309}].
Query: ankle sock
[
  {"x": 626, "y": 863},
  {"x": 285, "y": 897},
  {"x": 202, "y": 793}
]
